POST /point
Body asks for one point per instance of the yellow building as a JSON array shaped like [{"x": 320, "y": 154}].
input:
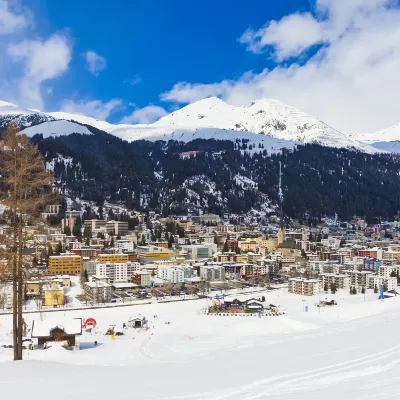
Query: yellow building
[
  {"x": 271, "y": 244},
  {"x": 53, "y": 296},
  {"x": 113, "y": 258},
  {"x": 248, "y": 245},
  {"x": 148, "y": 254},
  {"x": 65, "y": 264},
  {"x": 162, "y": 244}
]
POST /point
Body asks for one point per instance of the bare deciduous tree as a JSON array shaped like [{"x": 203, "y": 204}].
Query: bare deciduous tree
[{"x": 24, "y": 180}]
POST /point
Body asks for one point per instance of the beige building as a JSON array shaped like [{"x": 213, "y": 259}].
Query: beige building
[
  {"x": 358, "y": 278},
  {"x": 97, "y": 292},
  {"x": 341, "y": 281},
  {"x": 305, "y": 287}
]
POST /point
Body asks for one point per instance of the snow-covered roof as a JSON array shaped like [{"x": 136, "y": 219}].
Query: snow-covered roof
[{"x": 71, "y": 326}]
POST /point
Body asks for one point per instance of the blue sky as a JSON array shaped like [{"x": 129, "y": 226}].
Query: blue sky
[
  {"x": 155, "y": 43},
  {"x": 136, "y": 60}
]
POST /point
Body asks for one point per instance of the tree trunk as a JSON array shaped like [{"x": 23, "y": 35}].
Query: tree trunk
[
  {"x": 15, "y": 293},
  {"x": 15, "y": 267},
  {"x": 20, "y": 291}
]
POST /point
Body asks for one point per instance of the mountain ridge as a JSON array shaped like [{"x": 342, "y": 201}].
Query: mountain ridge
[{"x": 205, "y": 119}]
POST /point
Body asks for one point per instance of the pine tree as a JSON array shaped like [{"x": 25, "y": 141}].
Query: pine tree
[
  {"x": 375, "y": 289},
  {"x": 226, "y": 247},
  {"x": 77, "y": 229},
  {"x": 363, "y": 290},
  {"x": 333, "y": 288},
  {"x": 170, "y": 241},
  {"x": 59, "y": 248},
  {"x": 325, "y": 287},
  {"x": 385, "y": 287},
  {"x": 67, "y": 231},
  {"x": 86, "y": 276}
]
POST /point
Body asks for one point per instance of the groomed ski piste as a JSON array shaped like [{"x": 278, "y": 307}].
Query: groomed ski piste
[{"x": 347, "y": 351}]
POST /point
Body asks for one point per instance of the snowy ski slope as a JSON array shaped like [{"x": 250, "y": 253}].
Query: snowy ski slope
[{"x": 349, "y": 352}]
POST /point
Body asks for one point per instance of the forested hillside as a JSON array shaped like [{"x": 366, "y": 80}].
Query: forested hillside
[{"x": 223, "y": 176}]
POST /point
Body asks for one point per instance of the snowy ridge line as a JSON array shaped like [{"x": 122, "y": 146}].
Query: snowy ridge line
[{"x": 265, "y": 120}]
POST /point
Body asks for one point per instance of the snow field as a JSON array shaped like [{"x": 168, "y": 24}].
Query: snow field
[{"x": 337, "y": 352}]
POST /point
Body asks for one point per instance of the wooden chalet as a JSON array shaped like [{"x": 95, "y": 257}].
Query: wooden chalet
[{"x": 56, "y": 331}]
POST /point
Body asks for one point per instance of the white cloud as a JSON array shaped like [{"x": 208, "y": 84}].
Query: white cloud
[
  {"x": 184, "y": 92},
  {"x": 92, "y": 108},
  {"x": 279, "y": 35},
  {"x": 352, "y": 82},
  {"x": 135, "y": 80},
  {"x": 42, "y": 60},
  {"x": 95, "y": 62},
  {"x": 145, "y": 115},
  {"x": 11, "y": 20}
]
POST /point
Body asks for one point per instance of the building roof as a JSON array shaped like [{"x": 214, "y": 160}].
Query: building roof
[
  {"x": 123, "y": 285},
  {"x": 71, "y": 326},
  {"x": 97, "y": 284}
]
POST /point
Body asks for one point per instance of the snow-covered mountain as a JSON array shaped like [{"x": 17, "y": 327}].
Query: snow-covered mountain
[
  {"x": 391, "y": 134},
  {"x": 266, "y": 117},
  {"x": 266, "y": 123},
  {"x": 33, "y": 121},
  {"x": 385, "y": 139}
]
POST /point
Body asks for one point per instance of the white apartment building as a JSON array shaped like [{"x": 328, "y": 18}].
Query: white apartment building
[
  {"x": 386, "y": 270},
  {"x": 171, "y": 274},
  {"x": 208, "y": 239},
  {"x": 142, "y": 278},
  {"x": 198, "y": 251},
  {"x": 358, "y": 278},
  {"x": 95, "y": 225},
  {"x": 323, "y": 267},
  {"x": 341, "y": 281},
  {"x": 56, "y": 237},
  {"x": 89, "y": 265},
  {"x": 126, "y": 245},
  {"x": 377, "y": 280},
  {"x": 117, "y": 228},
  {"x": 212, "y": 272},
  {"x": 331, "y": 242},
  {"x": 118, "y": 272},
  {"x": 305, "y": 287}
]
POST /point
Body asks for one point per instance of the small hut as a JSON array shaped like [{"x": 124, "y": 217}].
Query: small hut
[
  {"x": 137, "y": 322},
  {"x": 56, "y": 331}
]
